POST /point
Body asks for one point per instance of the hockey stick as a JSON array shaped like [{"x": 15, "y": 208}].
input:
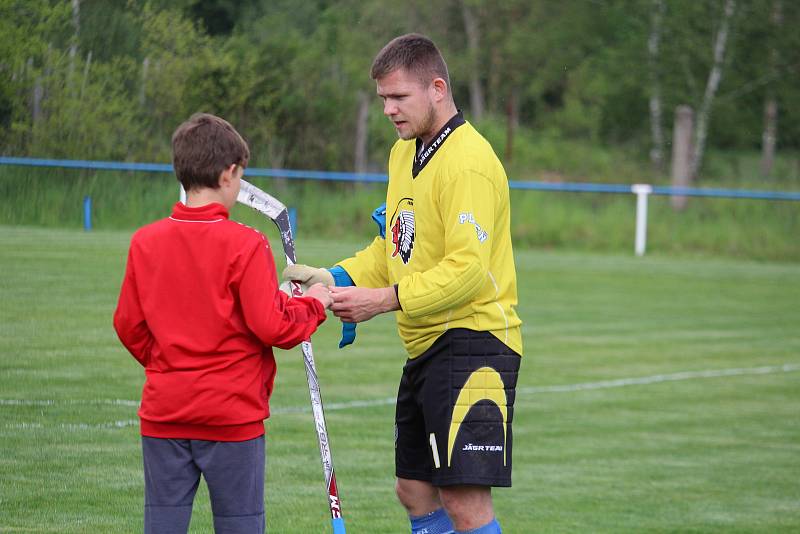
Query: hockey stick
[{"x": 250, "y": 195}]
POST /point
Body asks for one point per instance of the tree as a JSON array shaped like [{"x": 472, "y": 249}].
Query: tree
[
  {"x": 714, "y": 76},
  {"x": 769, "y": 137},
  {"x": 653, "y": 42},
  {"x": 473, "y": 34}
]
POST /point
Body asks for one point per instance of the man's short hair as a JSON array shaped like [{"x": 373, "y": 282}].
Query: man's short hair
[
  {"x": 416, "y": 54},
  {"x": 203, "y": 147}
]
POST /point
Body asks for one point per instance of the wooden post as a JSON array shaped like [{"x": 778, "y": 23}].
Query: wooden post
[
  {"x": 681, "y": 153},
  {"x": 641, "y": 191},
  {"x": 769, "y": 136}
]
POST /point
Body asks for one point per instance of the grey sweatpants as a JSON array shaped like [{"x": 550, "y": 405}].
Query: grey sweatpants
[{"x": 234, "y": 473}]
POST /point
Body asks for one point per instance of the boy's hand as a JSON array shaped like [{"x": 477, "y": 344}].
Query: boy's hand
[
  {"x": 308, "y": 276},
  {"x": 321, "y": 293}
]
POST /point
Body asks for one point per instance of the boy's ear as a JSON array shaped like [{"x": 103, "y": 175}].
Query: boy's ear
[{"x": 227, "y": 175}]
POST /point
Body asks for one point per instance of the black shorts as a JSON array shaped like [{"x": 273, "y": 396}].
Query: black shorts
[{"x": 455, "y": 406}]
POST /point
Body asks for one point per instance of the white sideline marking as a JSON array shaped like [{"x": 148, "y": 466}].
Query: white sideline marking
[
  {"x": 22, "y": 402},
  {"x": 335, "y": 406},
  {"x": 655, "y": 379},
  {"x": 78, "y": 426}
]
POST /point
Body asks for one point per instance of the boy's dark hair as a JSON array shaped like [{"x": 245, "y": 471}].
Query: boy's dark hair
[
  {"x": 203, "y": 147},
  {"x": 413, "y": 52}
]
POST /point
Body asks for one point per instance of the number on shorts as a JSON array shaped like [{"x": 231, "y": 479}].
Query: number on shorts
[{"x": 435, "y": 450}]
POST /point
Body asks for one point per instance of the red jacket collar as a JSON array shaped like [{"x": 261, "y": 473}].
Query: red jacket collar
[{"x": 209, "y": 212}]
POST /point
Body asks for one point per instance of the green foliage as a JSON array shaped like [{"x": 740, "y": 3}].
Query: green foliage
[{"x": 290, "y": 75}]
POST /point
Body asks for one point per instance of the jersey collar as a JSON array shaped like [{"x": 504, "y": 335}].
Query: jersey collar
[
  {"x": 208, "y": 213},
  {"x": 423, "y": 156}
]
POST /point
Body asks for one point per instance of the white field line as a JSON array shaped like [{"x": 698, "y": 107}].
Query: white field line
[
  {"x": 76, "y": 426},
  {"x": 67, "y": 402},
  {"x": 386, "y": 401},
  {"x": 655, "y": 379}
]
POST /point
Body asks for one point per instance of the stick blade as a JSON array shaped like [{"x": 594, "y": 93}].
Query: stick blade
[{"x": 252, "y": 196}]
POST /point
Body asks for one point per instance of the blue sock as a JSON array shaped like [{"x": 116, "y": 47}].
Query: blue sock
[
  {"x": 437, "y": 522},
  {"x": 493, "y": 527}
]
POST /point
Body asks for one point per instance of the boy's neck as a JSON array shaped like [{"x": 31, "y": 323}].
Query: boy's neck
[{"x": 204, "y": 196}]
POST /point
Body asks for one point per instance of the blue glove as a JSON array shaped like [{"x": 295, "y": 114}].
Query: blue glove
[
  {"x": 342, "y": 279},
  {"x": 379, "y": 216}
]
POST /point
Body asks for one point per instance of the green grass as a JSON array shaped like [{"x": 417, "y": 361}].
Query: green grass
[{"x": 692, "y": 454}]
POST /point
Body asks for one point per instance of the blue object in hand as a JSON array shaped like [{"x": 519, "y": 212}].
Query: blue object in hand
[
  {"x": 379, "y": 216},
  {"x": 342, "y": 279}
]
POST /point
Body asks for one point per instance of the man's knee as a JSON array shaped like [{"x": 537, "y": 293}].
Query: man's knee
[
  {"x": 469, "y": 506},
  {"x": 418, "y": 497}
]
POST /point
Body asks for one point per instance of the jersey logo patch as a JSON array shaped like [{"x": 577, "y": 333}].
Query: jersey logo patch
[{"x": 403, "y": 230}]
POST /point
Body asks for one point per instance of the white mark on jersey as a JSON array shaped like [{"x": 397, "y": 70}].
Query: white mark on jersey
[
  {"x": 483, "y": 448},
  {"x": 496, "y": 294},
  {"x": 468, "y": 217}
]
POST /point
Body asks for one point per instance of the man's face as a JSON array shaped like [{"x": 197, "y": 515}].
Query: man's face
[{"x": 408, "y": 103}]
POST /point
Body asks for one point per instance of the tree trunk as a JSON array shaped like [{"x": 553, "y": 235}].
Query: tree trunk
[
  {"x": 73, "y": 47},
  {"x": 36, "y": 101},
  {"x": 512, "y": 122},
  {"x": 657, "y": 151},
  {"x": 362, "y": 132},
  {"x": 711, "y": 88},
  {"x": 495, "y": 80},
  {"x": 473, "y": 44},
  {"x": 770, "y": 136},
  {"x": 143, "y": 90},
  {"x": 86, "y": 74}
]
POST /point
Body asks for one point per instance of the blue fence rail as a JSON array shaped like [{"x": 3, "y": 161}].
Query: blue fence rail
[
  {"x": 571, "y": 187},
  {"x": 642, "y": 191}
]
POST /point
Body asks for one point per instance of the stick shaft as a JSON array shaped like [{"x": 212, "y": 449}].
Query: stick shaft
[{"x": 277, "y": 213}]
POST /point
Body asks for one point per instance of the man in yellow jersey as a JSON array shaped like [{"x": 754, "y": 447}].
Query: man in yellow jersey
[{"x": 445, "y": 265}]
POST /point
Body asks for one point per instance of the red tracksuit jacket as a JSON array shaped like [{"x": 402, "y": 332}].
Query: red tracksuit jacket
[{"x": 200, "y": 309}]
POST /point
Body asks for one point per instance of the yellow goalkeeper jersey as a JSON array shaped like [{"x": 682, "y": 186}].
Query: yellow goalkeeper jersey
[{"x": 448, "y": 240}]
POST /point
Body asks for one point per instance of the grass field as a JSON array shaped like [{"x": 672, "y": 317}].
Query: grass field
[{"x": 656, "y": 395}]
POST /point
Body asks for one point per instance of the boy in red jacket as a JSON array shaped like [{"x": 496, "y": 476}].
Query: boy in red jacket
[{"x": 200, "y": 309}]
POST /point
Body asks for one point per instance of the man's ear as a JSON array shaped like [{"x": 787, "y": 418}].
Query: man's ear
[{"x": 440, "y": 89}]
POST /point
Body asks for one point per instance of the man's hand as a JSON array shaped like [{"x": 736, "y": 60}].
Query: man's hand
[
  {"x": 307, "y": 276},
  {"x": 359, "y": 304},
  {"x": 321, "y": 293}
]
